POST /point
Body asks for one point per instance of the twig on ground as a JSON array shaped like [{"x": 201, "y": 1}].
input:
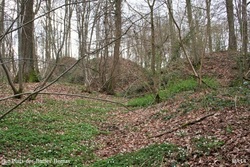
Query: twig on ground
[{"x": 184, "y": 125}]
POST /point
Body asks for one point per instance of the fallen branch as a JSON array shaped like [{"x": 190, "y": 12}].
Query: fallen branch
[
  {"x": 184, "y": 125},
  {"x": 15, "y": 95}
]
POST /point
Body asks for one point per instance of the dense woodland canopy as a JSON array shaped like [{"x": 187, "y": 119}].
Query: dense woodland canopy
[{"x": 35, "y": 35}]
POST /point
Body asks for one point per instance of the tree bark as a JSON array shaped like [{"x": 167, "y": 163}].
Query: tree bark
[
  {"x": 244, "y": 28},
  {"x": 153, "y": 53},
  {"x": 67, "y": 26},
  {"x": 105, "y": 53},
  {"x": 118, "y": 31},
  {"x": 175, "y": 47},
  {"x": 48, "y": 31},
  {"x": 27, "y": 43},
  {"x": 2, "y": 5},
  {"x": 192, "y": 33},
  {"x": 232, "y": 43},
  {"x": 208, "y": 12},
  {"x": 152, "y": 26},
  {"x": 2, "y": 50},
  {"x": 2, "y": 45}
]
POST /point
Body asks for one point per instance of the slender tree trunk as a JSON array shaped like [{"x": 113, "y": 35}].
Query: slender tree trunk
[
  {"x": 245, "y": 36},
  {"x": 208, "y": 8},
  {"x": 153, "y": 53},
  {"x": 69, "y": 11},
  {"x": 232, "y": 43},
  {"x": 2, "y": 5},
  {"x": 146, "y": 48},
  {"x": 86, "y": 46},
  {"x": 98, "y": 37},
  {"x": 2, "y": 52},
  {"x": 239, "y": 8},
  {"x": 175, "y": 47},
  {"x": 20, "y": 56},
  {"x": 105, "y": 55},
  {"x": 118, "y": 31},
  {"x": 48, "y": 37},
  {"x": 192, "y": 32},
  {"x": 244, "y": 27}
]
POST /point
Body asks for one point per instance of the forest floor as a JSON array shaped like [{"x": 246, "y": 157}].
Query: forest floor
[
  {"x": 211, "y": 134},
  {"x": 192, "y": 126}
]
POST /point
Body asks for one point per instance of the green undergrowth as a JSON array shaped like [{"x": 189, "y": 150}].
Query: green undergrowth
[
  {"x": 216, "y": 97},
  {"x": 228, "y": 97},
  {"x": 174, "y": 87},
  {"x": 155, "y": 155},
  {"x": 205, "y": 145},
  {"x": 55, "y": 131}
]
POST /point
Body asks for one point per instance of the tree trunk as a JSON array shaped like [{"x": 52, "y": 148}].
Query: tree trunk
[
  {"x": 2, "y": 47},
  {"x": 153, "y": 53},
  {"x": 245, "y": 34},
  {"x": 175, "y": 47},
  {"x": 105, "y": 53},
  {"x": 208, "y": 8},
  {"x": 118, "y": 31},
  {"x": 67, "y": 26},
  {"x": 48, "y": 37},
  {"x": 2, "y": 51},
  {"x": 192, "y": 33},
  {"x": 232, "y": 43},
  {"x": 27, "y": 43}
]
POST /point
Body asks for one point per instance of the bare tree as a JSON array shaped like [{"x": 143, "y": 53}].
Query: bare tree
[
  {"x": 153, "y": 52},
  {"x": 118, "y": 32},
  {"x": 83, "y": 24},
  {"x": 58, "y": 53},
  {"x": 107, "y": 32},
  {"x": 5, "y": 68},
  {"x": 182, "y": 45}
]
